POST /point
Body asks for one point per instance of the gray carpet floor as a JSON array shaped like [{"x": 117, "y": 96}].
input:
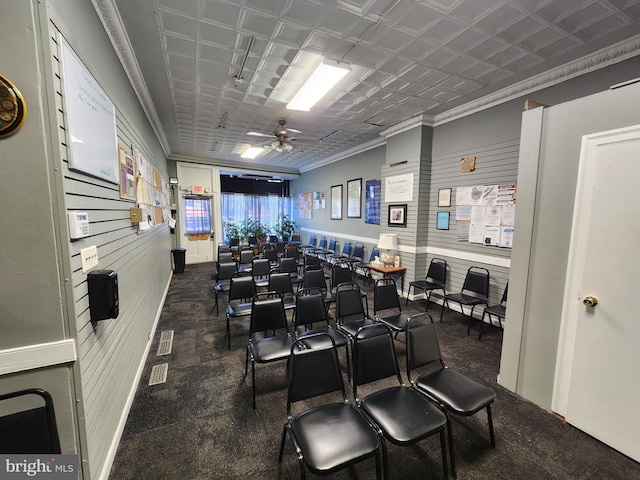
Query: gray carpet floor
[{"x": 200, "y": 423}]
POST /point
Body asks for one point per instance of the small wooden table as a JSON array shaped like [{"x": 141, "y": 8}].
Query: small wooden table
[{"x": 386, "y": 272}]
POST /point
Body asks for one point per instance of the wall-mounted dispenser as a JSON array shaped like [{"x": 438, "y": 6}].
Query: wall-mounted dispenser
[{"x": 103, "y": 294}]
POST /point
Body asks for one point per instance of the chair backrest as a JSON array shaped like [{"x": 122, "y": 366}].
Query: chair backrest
[
  {"x": 234, "y": 242},
  {"x": 346, "y": 249},
  {"x": 315, "y": 371},
  {"x": 253, "y": 240},
  {"x": 323, "y": 242},
  {"x": 260, "y": 267},
  {"x": 289, "y": 264},
  {"x": 314, "y": 278},
  {"x": 224, "y": 257},
  {"x": 332, "y": 245},
  {"x": 374, "y": 356},
  {"x": 280, "y": 281},
  {"x": 295, "y": 237},
  {"x": 291, "y": 251},
  {"x": 28, "y": 429},
  {"x": 349, "y": 304},
  {"x": 246, "y": 257},
  {"x": 422, "y": 343},
  {"x": 267, "y": 313},
  {"x": 310, "y": 308},
  {"x": 476, "y": 282},
  {"x": 226, "y": 270},
  {"x": 270, "y": 254},
  {"x": 273, "y": 239},
  {"x": 241, "y": 288},
  {"x": 312, "y": 240},
  {"x": 223, "y": 249},
  {"x": 280, "y": 247},
  {"x": 375, "y": 252},
  {"x": 358, "y": 251},
  {"x": 385, "y": 295},
  {"x": 340, "y": 274},
  {"x": 437, "y": 271},
  {"x": 312, "y": 261}
]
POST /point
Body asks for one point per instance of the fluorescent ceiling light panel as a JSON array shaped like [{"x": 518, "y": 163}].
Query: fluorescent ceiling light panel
[
  {"x": 252, "y": 152},
  {"x": 323, "y": 79}
]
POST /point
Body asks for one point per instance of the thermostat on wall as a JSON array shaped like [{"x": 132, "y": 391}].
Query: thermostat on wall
[{"x": 78, "y": 224}]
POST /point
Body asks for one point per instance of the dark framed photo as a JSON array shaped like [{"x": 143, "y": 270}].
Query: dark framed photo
[
  {"x": 397, "y": 215},
  {"x": 444, "y": 197},
  {"x": 336, "y": 202},
  {"x": 442, "y": 221},
  {"x": 354, "y": 198}
]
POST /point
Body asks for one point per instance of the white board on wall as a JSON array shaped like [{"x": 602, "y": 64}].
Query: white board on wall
[{"x": 90, "y": 120}]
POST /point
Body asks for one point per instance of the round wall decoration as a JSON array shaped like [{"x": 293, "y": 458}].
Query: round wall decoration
[{"x": 13, "y": 109}]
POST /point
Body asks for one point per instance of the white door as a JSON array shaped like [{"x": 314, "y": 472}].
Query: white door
[{"x": 599, "y": 357}]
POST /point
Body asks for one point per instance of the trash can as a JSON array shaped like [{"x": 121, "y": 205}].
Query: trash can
[{"x": 179, "y": 256}]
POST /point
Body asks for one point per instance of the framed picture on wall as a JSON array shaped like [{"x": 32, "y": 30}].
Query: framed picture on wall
[
  {"x": 444, "y": 197},
  {"x": 397, "y": 215},
  {"x": 442, "y": 221},
  {"x": 354, "y": 198},
  {"x": 336, "y": 202}
]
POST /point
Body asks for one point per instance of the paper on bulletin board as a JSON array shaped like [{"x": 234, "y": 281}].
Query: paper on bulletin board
[
  {"x": 506, "y": 236},
  {"x": 476, "y": 231},
  {"x": 491, "y": 235},
  {"x": 462, "y": 231},
  {"x": 398, "y": 188}
]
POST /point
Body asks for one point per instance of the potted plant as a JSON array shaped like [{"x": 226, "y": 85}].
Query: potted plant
[
  {"x": 232, "y": 229},
  {"x": 254, "y": 228},
  {"x": 285, "y": 227}
]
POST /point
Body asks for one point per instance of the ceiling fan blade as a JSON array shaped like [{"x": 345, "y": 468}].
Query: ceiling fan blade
[
  {"x": 293, "y": 130},
  {"x": 258, "y": 134}
]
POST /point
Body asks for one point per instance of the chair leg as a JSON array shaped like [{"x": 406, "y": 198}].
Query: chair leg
[
  {"x": 409, "y": 294},
  {"x": 284, "y": 438},
  {"x": 443, "y": 447},
  {"x": 253, "y": 382},
  {"x": 470, "y": 319},
  {"x": 228, "y": 334},
  {"x": 452, "y": 455},
  {"x": 482, "y": 324},
  {"x": 444, "y": 301},
  {"x": 490, "y": 421}
]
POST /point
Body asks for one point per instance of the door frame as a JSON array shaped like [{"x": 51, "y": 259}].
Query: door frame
[{"x": 575, "y": 266}]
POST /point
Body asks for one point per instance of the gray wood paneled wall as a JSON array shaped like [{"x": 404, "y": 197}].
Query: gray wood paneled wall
[{"x": 111, "y": 352}]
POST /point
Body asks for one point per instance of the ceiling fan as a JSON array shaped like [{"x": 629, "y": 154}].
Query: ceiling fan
[{"x": 281, "y": 140}]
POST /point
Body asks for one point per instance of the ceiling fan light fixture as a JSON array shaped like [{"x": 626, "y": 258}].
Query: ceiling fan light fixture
[
  {"x": 323, "y": 79},
  {"x": 281, "y": 146}
]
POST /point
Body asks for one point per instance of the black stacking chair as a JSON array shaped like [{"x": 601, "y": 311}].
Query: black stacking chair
[
  {"x": 225, "y": 257},
  {"x": 268, "y": 319},
  {"x": 311, "y": 316},
  {"x": 435, "y": 279},
  {"x": 315, "y": 278},
  {"x": 451, "y": 389},
  {"x": 241, "y": 292},
  {"x": 386, "y": 306},
  {"x": 245, "y": 260},
  {"x": 361, "y": 267},
  {"x": 498, "y": 311},
  {"x": 404, "y": 415},
  {"x": 31, "y": 426},
  {"x": 223, "y": 281},
  {"x": 475, "y": 291},
  {"x": 295, "y": 239},
  {"x": 260, "y": 269},
  {"x": 280, "y": 281},
  {"x": 270, "y": 254},
  {"x": 342, "y": 274},
  {"x": 290, "y": 265},
  {"x": 330, "y": 436},
  {"x": 350, "y": 311}
]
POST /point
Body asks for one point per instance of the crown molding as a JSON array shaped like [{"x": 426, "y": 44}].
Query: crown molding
[
  {"x": 112, "y": 22},
  {"x": 413, "y": 122},
  {"x": 589, "y": 63}
]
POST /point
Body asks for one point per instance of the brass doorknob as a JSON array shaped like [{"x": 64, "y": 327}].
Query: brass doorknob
[{"x": 590, "y": 301}]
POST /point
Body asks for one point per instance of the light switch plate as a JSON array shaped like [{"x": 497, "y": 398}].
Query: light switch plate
[{"x": 89, "y": 258}]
